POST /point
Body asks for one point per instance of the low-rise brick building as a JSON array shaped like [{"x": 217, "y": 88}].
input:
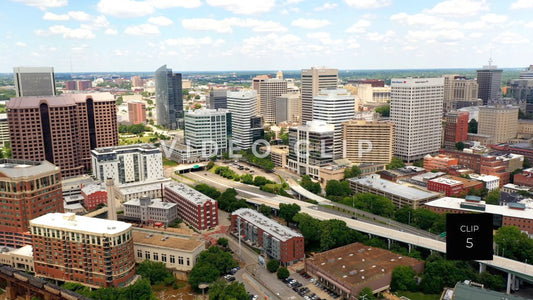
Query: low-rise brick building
[{"x": 195, "y": 208}]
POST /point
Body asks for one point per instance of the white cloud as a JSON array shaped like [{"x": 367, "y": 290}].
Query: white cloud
[
  {"x": 359, "y": 27},
  {"x": 507, "y": 38},
  {"x": 189, "y": 41},
  {"x": 310, "y": 23},
  {"x": 362, "y": 4},
  {"x": 43, "y": 4},
  {"x": 111, "y": 31},
  {"x": 432, "y": 36},
  {"x": 494, "y": 18},
  {"x": 381, "y": 37},
  {"x": 67, "y": 33},
  {"x": 521, "y": 4},
  {"x": 81, "y": 47},
  {"x": 459, "y": 8},
  {"x": 416, "y": 19},
  {"x": 48, "y": 16},
  {"x": 326, "y": 6},
  {"x": 245, "y": 7},
  {"x": 162, "y": 4},
  {"x": 119, "y": 52},
  {"x": 79, "y": 16},
  {"x": 529, "y": 25},
  {"x": 143, "y": 29},
  {"x": 207, "y": 24},
  {"x": 21, "y": 44},
  {"x": 226, "y": 25},
  {"x": 125, "y": 8},
  {"x": 100, "y": 21},
  {"x": 259, "y": 46},
  {"x": 161, "y": 21},
  {"x": 475, "y": 35}
]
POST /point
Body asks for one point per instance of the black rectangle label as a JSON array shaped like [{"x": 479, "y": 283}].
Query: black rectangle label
[{"x": 469, "y": 236}]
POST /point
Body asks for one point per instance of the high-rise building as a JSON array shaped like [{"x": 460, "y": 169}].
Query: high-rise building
[
  {"x": 499, "y": 122},
  {"x": 62, "y": 129},
  {"x": 256, "y": 81},
  {"x": 168, "y": 98},
  {"x": 91, "y": 251},
  {"x": 34, "y": 81},
  {"x": 456, "y": 128},
  {"x": 136, "y": 81},
  {"x": 218, "y": 98},
  {"x": 289, "y": 108},
  {"x": 70, "y": 85},
  {"x": 489, "y": 80},
  {"x": 416, "y": 110},
  {"x": 84, "y": 85},
  {"x": 128, "y": 163},
  {"x": 243, "y": 108},
  {"x": 137, "y": 112},
  {"x": 208, "y": 129},
  {"x": 29, "y": 189},
  {"x": 334, "y": 106},
  {"x": 4, "y": 131},
  {"x": 310, "y": 147},
  {"x": 314, "y": 80},
  {"x": 522, "y": 89},
  {"x": 458, "y": 88},
  {"x": 368, "y": 141},
  {"x": 269, "y": 90}
]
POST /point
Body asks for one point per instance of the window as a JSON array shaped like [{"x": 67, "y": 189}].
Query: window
[
  {"x": 156, "y": 256},
  {"x": 188, "y": 261},
  {"x": 172, "y": 259},
  {"x": 147, "y": 254},
  {"x": 163, "y": 257},
  {"x": 139, "y": 254},
  {"x": 180, "y": 260}
]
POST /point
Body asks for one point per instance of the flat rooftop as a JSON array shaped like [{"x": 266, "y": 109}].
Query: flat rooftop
[
  {"x": 126, "y": 148},
  {"x": 16, "y": 168},
  {"x": 57, "y": 101},
  {"x": 268, "y": 225},
  {"x": 166, "y": 241},
  {"x": 504, "y": 210},
  {"x": 143, "y": 186},
  {"x": 154, "y": 203},
  {"x": 189, "y": 193},
  {"x": 392, "y": 188},
  {"x": 71, "y": 222}
]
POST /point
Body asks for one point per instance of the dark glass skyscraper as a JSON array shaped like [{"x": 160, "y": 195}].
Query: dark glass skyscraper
[
  {"x": 489, "y": 80},
  {"x": 169, "y": 98}
]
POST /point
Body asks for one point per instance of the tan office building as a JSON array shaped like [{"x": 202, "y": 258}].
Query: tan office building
[
  {"x": 368, "y": 141},
  {"x": 314, "y": 80},
  {"x": 499, "y": 122}
]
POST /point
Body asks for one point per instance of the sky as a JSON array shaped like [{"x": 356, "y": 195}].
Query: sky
[{"x": 222, "y": 35}]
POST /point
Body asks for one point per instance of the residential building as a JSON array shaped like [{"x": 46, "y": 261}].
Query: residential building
[
  {"x": 245, "y": 124},
  {"x": 416, "y": 110},
  {"x": 277, "y": 241},
  {"x": 34, "y": 81},
  {"x": 439, "y": 162},
  {"x": 84, "y": 85},
  {"x": 137, "y": 112},
  {"x": 208, "y": 129},
  {"x": 91, "y": 251},
  {"x": 314, "y": 80},
  {"x": 458, "y": 89},
  {"x": 489, "y": 80},
  {"x": 453, "y": 186},
  {"x": 348, "y": 269},
  {"x": 269, "y": 90},
  {"x": 4, "y": 131},
  {"x": 151, "y": 188},
  {"x": 29, "y": 189},
  {"x": 400, "y": 195},
  {"x": 310, "y": 147},
  {"x": 524, "y": 129},
  {"x": 368, "y": 141},
  {"x": 128, "y": 163},
  {"x": 70, "y": 85},
  {"x": 525, "y": 178},
  {"x": 195, "y": 208},
  {"x": 21, "y": 258},
  {"x": 168, "y": 98},
  {"x": 218, "y": 98},
  {"x": 93, "y": 195},
  {"x": 498, "y": 122},
  {"x": 334, "y": 106},
  {"x": 148, "y": 211},
  {"x": 289, "y": 108},
  {"x": 62, "y": 129},
  {"x": 489, "y": 181},
  {"x": 456, "y": 128},
  {"x": 182, "y": 153}
]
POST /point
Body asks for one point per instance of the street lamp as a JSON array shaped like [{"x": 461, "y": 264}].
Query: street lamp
[{"x": 203, "y": 286}]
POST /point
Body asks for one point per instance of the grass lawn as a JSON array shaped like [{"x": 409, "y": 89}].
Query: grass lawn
[
  {"x": 135, "y": 140},
  {"x": 419, "y": 296},
  {"x": 169, "y": 163}
]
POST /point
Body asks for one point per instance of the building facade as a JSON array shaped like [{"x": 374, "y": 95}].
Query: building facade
[
  {"x": 276, "y": 240},
  {"x": 195, "y": 208},
  {"x": 456, "y": 128},
  {"x": 91, "y": 251},
  {"x": 93, "y": 195},
  {"x": 137, "y": 112},
  {"x": 168, "y": 98},
  {"x": 489, "y": 80},
  {"x": 314, "y": 80},
  {"x": 439, "y": 162},
  {"x": 148, "y": 211},
  {"x": 243, "y": 108},
  {"x": 416, "y": 110},
  {"x": 368, "y": 141},
  {"x": 269, "y": 90},
  {"x": 218, "y": 98},
  {"x": 208, "y": 129},
  {"x": 289, "y": 108},
  {"x": 4, "y": 131},
  {"x": 498, "y": 122},
  {"x": 62, "y": 129},
  {"x": 458, "y": 89},
  {"x": 34, "y": 81},
  {"x": 128, "y": 163}
]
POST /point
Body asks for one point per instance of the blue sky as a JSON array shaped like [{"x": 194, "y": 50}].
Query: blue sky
[{"x": 203, "y": 35}]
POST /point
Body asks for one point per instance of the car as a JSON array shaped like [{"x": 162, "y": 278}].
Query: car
[
  {"x": 229, "y": 277},
  {"x": 354, "y": 217},
  {"x": 254, "y": 297},
  {"x": 295, "y": 289}
]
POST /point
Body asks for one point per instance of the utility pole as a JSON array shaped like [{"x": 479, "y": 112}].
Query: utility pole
[{"x": 239, "y": 233}]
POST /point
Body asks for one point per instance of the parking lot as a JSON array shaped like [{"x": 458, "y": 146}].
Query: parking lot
[{"x": 308, "y": 288}]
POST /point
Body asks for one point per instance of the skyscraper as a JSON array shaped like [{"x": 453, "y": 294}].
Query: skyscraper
[
  {"x": 314, "y": 80},
  {"x": 243, "y": 108},
  {"x": 169, "y": 98},
  {"x": 499, "y": 122},
  {"x": 368, "y": 141},
  {"x": 489, "y": 80},
  {"x": 207, "y": 129},
  {"x": 218, "y": 98},
  {"x": 458, "y": 88},
  {"x": 269, "y": 90},
  {"x": 416, "y": 110},
  {"x": 289, "y": 108},
  {"x": 62, "y": 129},
  {"x": 34, "y": 81}
]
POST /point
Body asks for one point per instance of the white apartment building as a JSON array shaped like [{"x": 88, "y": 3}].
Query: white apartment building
[
  {"x": 416, "y": 110},
  {"x": 314, "y": 80},
  {"x": 208, "y": 129},
  {"x": 243, "y": 107},
  {"x": 125, "y": 164}
]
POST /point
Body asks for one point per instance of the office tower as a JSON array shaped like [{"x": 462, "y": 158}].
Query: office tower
[
  {"x": 334, "y": 106},
  {"x": 458, "y": 89},
  {"x": 34, "y": 81},
  {"x": 269, "y": 90},
  {"x": 522, "y": 89},
  {"x": 62, "y": 129},
  {"x": 256, "y": 81},
  {"x": 310, "y": 147},
  {"x": 369, "y": 94},
  {"x": 4, "y": 131},
  {"x": 137, "y": 112},
  {"x": 136, "y": 81},
  {"x": 456, "y": 128},
  {"x": 70, "y": 85},
  {"x": 208, "y": 129},
  {"x": 499, "y": 122},
  {"x": 128, "y": 163},
  {"x": 489, "y": 80},
  {"x": 29, "y": 189},
  {"x": 289, "y": 108},
  {"x": 314, "y": 80},
  {"x": 368, "y": 141},
  {"x": 168, "y": 98},
  {"x": 243, "y": 108},
  {"x": 416, "y": 110},
  {"x": 91, "y": 251},
  {"x": 218, "y": 98}
]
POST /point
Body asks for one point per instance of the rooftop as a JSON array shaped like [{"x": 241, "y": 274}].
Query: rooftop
[
  {"x": 467, "y": 291},
  {"x": 207, "y": 112},
  {"x": 53, "y": 101},
  {"x": 139, "y": 187},
  {"x": 154, "y": 203},
  {"x": 167, "y": 241},
  {"x": 189, "y": 193},
  {"x": 392, "y": 188},
  {"x": 317, "y": 126},
  {"x": 455, "y": 203},
  {"x": 16, "y": 168},
  {"x": 268, "y": 225},
  {"x": 71, "y": 222},
  {"x": 445, "y": 180},
  {"x": 126, "y": 148},
  {"x": 93, "y": 188}
]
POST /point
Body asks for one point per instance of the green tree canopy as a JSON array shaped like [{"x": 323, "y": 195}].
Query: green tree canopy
[
  {"x": 384, "y": 110},
  {"x": 309, "y": 227},
  {"x": 403, "y": 279},
  {"x": 367, "y": 294},
  {"x": 472, "y": 126},
  {"x": 221, "y": 290},
  {"x": 207, "y": 190},
  {"x": 459, "y": 146},
  {"x": 308, "y": 184},
  {"x": 288, "y": 211},
  {"x": 352, "y": 171},
  {"x": 265, "y": 210},
  {"x": 223, "y": 242},
  {"x": 273, "y": 265},
  {"x": 283, "y": 273},
  {"x": 514, "y": 244},
  {"x": 156, "y": 272},
  {"x": 395, "y": 164},
  {"x": 493, "y": 197},
  {"x": 337, "y": 188}
]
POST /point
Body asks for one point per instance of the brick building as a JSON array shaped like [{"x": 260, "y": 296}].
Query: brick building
[
  {"x": 524, "y": 178},
  {"x": 137, "y": 112},
  {"x": 456, "y": 128},
  {"x": 453, "y": 186},
  {"x": 278, "y": 241},
  {"x": 401, "y": 173},
  {"x": 93, "y": 195},
  {"x": 91, "y": 251},
  {"x": 440, "y": 162},
  {"x": 195, "y": 208}
]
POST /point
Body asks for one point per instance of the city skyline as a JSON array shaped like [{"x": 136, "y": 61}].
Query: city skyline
[{"x": 216, "y": 35}]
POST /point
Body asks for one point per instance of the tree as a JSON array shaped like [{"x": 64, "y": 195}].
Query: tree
[
  {"x": 156, "y": 272},
  {"x": 202, "y": 272},
  {"x": 354, "y": 171},
  {"x": 419, "y": 163},
  {"x": 265, "y": 210},
  {"x": 395, "y": 164},
  {"x": 261, "y": 180},
  {"x": 269, "y": 135},
  {"x": 247, "y": 179},
  {"x": 220, "y": 290},
  {"x": 440, "y": 272},
  {"x": 513, "y": 244},
  {"x": 222, "y": 242},
  {"x": 283, "y": 273},
  {"x": 338, "y": 188},
  {"x": 334, "y": 233},
  {"x": 273, "y": 265},
  {"x": 526, "y": 163},
  {"x": 472, "y": 126},
  {"x": 308, "y": 184},
  {"x": 367, "y": 294},
  {"x": 119, "y": 100},
  {"x": 288, "y": 211},
  {"x": 459, "y": 146},
  {"x": 384, "y": 110},
  {"x": 403, "y": 279},
  {"x": 309, "y": 227},
  {"x": 493, "y": 197},
  {"x": 207, "y": 190}
]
